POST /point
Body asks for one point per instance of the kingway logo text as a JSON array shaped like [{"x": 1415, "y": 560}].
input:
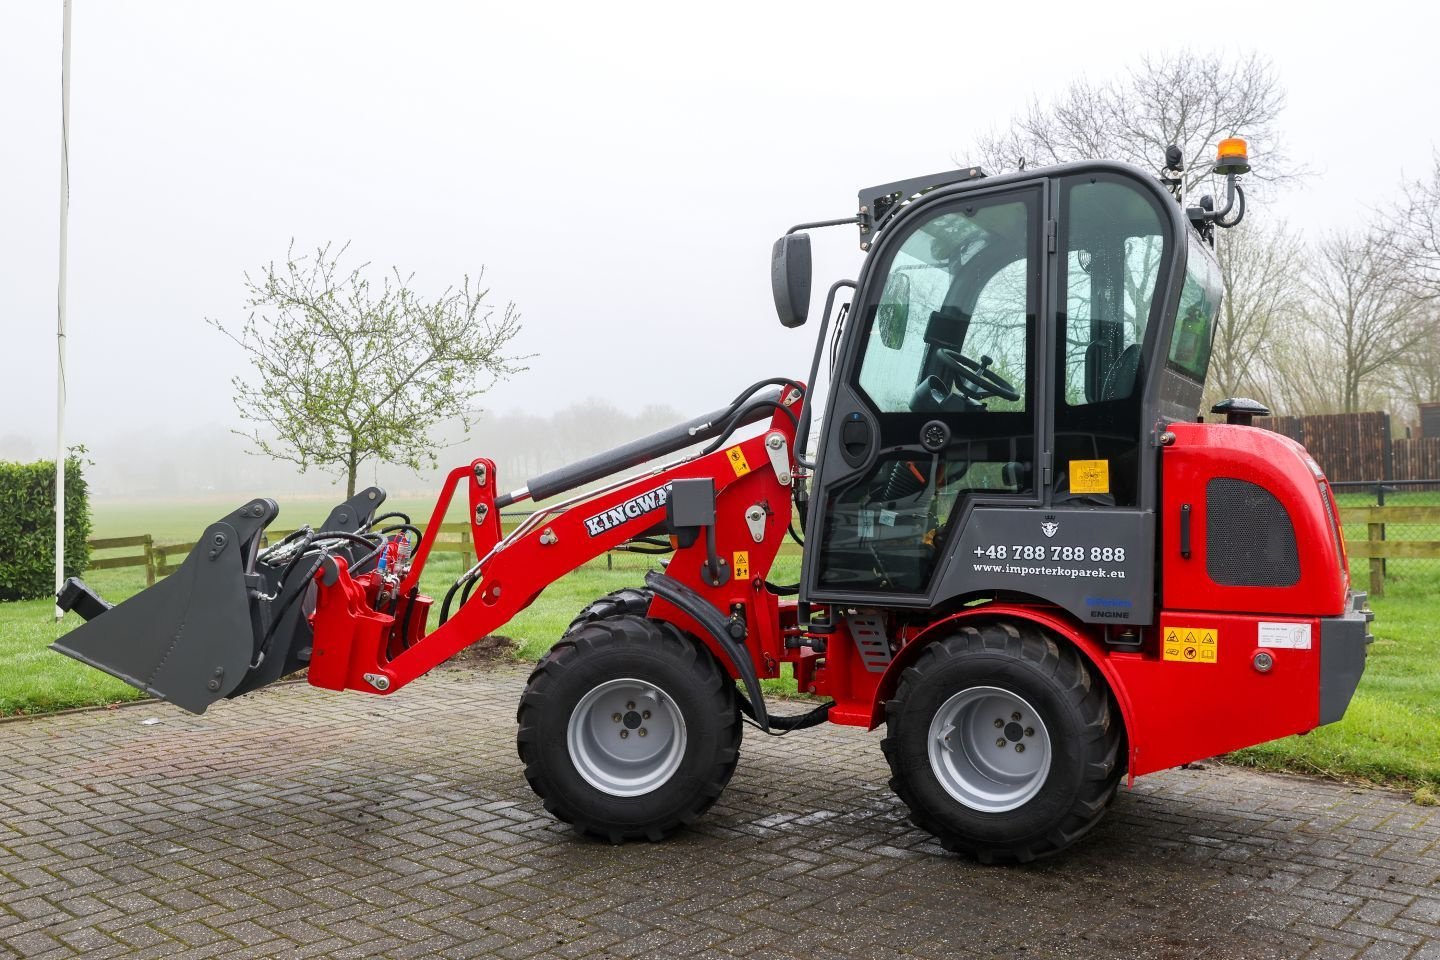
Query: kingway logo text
[{"x": 629, "y": 510}]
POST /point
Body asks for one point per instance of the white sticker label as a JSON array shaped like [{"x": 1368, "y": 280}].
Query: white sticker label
[
  {"x": 867, "y": 524},
  {"x": 1291, "y": 636}
]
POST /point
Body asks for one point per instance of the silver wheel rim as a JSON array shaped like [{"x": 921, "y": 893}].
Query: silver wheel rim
[
  {"x": 626, "y": 737},
  {"x": 989, "y": 749}
]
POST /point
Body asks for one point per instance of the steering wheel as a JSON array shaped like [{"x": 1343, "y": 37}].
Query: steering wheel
[{"x": 976, "y": 380}]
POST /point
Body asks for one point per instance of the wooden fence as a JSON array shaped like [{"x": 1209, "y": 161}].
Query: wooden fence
[
  {"x": 145, "y": 558},
  {"x": 1351, "y": 447},
  {"x": 1416, "y": 459},
  {"x": 1348, "y": 446},
  {"x": 1381, "y": 544},
  {"x": 160, "y": 560}
]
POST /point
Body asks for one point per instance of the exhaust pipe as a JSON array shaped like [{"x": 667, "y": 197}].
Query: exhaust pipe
[{"x": 208, "y": 631}]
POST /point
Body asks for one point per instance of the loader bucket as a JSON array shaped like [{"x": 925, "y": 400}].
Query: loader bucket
[
  {"x": 196, "y": 636},
  {"x": 189, "y": 638}
]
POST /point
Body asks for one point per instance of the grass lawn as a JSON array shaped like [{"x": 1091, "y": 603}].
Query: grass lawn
[{"x": 1391, "y": 733}]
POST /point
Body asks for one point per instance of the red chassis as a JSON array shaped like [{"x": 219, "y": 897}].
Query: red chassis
[{"x": 1173, "y": 711}]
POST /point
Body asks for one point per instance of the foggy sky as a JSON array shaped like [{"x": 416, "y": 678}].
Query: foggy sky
[{"x": 620, "y": 172}]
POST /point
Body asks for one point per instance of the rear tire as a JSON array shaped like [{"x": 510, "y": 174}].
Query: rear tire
[
  {"x": 1054, "y": 775},
  {"x": 630, "y": 601},
  {"x": 603, "y": 776}
]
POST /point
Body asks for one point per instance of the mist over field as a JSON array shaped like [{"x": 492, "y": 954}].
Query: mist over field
[{"x": 210, "y": 460}]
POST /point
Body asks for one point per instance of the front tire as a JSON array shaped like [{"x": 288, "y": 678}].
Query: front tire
[
  {"x": 667, "y": 757},
  {"x": 1003, "y": 742}
]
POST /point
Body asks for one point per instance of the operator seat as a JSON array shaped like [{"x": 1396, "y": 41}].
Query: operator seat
[{"x": 1119, "y": 381}]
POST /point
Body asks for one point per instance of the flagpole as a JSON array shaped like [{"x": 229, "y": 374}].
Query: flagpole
[{"x": 60, "y": 309}]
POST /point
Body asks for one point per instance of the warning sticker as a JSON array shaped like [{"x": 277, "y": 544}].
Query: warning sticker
[
  {"x": 742, "y": 564},
  {"x": 1191, "y": 644},
  {"x": 737, "y": 460},
  {"x": 1293, "y": 636},
  {"x": 1089, "y": 476}
]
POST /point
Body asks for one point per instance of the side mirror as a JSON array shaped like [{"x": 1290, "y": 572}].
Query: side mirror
[
  {"x": 893, "y": 316},
  {"x": 790, "y": 278}
]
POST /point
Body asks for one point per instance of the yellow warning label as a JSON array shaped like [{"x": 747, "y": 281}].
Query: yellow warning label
[
  {"x": 1089, "y": 476},
  {"x": 1191, "y": 644},
  {"x": 742, "y": 564},
  {"x": 737, "y": 460}
]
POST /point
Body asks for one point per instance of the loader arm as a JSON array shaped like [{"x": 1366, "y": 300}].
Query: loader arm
[
  {"x": 512, "y": 571},
  {"x": 345, "y": 602}
]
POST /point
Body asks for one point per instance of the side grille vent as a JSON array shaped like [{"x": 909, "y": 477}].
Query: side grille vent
[{"x": 1249, "y": 539}]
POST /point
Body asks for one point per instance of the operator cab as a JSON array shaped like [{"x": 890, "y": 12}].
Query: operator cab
[{"x": 1015, "y": 345}]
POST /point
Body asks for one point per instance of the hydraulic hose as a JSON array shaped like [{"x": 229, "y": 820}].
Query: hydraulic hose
[{"x": 743, "y": 416}]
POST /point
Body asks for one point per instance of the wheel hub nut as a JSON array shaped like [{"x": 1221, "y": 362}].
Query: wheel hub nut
[
  {"x": 1019, "y": 748},
  {"x": 1001, "y": 742},
  {"x": 616, "y": 718},
  {"x": 999, "y": 723},
  {"x": 642, "y": 731},
  {"x": 624, "y": 734}
]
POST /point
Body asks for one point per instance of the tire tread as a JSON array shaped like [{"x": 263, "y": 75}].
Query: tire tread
[
  {"x": 617, "y": 621},
  {"x": 1100, "y": 736}
]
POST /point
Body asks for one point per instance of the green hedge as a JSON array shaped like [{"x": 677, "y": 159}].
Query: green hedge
[{"x": 27, "y": 527}]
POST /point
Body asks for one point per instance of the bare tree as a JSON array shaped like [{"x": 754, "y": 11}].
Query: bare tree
[
  {"x": 1189, "y": 99},
  {"x": 1260, "y": 273},
  {"x": 1416, "y": 378},
  {"x": 1298, "y": 377},
  {"x": 1417, "y": 234},
  {"x": 1359, "y": 310},
  {"x": 346, "y": 372}
]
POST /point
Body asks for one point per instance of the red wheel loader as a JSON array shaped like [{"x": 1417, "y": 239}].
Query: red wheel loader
[{"x": 1023, "y": 553}]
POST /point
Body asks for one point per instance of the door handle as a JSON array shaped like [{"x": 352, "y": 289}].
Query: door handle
[
  {"x": 1185, "y": 531},
  {"x": 855, "y": 437}
]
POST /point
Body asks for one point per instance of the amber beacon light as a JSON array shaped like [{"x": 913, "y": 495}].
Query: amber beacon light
[{"x": 1232, "y": 157}]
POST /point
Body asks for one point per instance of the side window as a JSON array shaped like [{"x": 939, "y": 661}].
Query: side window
[
  {"x": 1115, "y": 247},
  {"x": 1195, "y": 324},
  {"x": 896, "y": 351},
  {"x": 1113, "y": 255}
]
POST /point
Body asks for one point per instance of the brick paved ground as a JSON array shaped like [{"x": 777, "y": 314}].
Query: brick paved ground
[{"x": 300, "y": 823}]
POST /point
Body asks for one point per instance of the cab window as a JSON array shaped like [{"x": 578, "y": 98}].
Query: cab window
[
  {"x": 950, "y": 337},
  {"x": 1114, "y": 247},
  {"x": 957, "y": 290},
  {"x": 1195, "y": 322}
]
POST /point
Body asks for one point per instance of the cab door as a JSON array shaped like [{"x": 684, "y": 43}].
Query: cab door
[{"x": 936, "y": 400}]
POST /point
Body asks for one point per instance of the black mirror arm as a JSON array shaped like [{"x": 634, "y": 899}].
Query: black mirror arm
[{"x": 824, "y": 223}]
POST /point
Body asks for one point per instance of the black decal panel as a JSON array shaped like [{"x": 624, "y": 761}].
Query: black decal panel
[{"x": 1098, "y": 564}]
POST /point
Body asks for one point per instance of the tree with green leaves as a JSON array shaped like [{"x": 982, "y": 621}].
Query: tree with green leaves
[{"x": 347, "y": 371}]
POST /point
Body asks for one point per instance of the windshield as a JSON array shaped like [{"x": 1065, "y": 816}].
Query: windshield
[
  {"x": 959, "y": 281},
  {"x": 1199, "y": 305}
]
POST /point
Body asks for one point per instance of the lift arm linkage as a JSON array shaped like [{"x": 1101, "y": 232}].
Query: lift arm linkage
[{"x": 353, "y": 643}]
